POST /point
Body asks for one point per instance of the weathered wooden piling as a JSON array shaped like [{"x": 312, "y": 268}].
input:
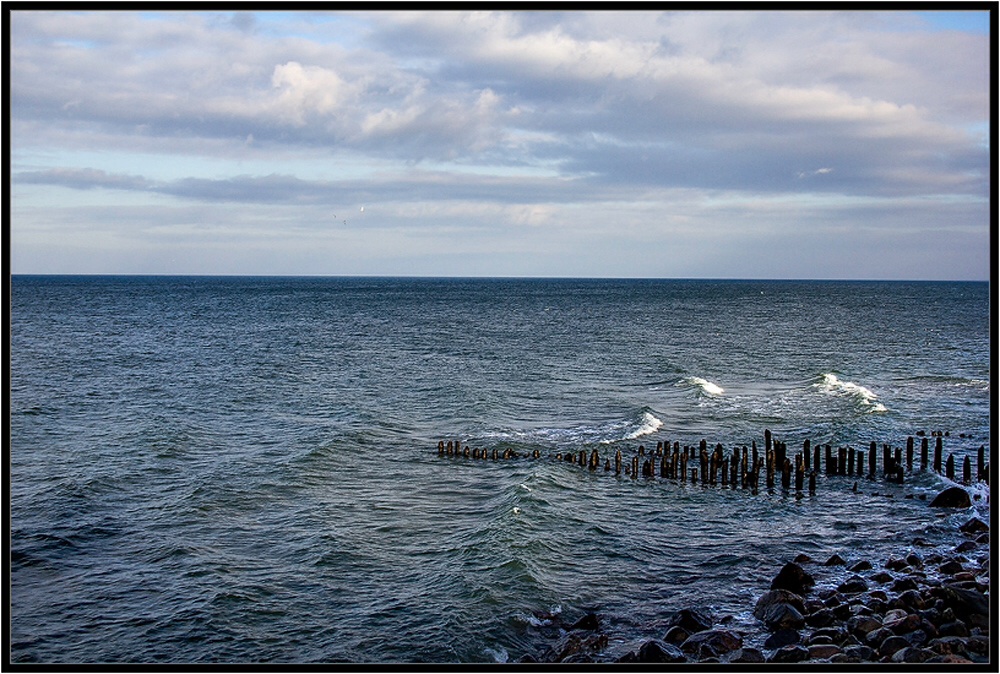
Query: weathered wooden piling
[
  {"x": 595, "y": 460},
  {"x": 799, "y": 472},
  {"x": 786, "y": 474},
  {"x": 872, "y": 460},
  {"x": 950, "y": 467},
  {"x": 635, "y": 467},
  {"x": 861, "y": 463},
  {"x": 923, "y": 453},
  {"x": 842, "y": 460},
  {"x": 850, "y": 461},
  {"x": 806, "y": 452},
  {"x": 769, "y": 469},
  {"x": 967, "y": 470},
  {"x": 909, "y": 453},
  {"x": 618, "y": 462},
  {"x": 767, "y": 440},
  {"x": 663, "y": 465},
  {"x": 812, "y": 482},
  {"x": 937, "y": 454}
]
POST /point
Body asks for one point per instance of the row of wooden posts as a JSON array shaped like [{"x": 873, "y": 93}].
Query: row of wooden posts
[{"x": 743, "y": 468}]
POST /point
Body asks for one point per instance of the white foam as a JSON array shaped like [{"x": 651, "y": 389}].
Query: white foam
[
  {"x": 832, "y": 385},
  {"x": 650, "y": 424},
  {"x": 707, "y": 387}
]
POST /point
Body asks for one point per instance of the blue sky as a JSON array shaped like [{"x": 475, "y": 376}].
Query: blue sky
[{"x": 819, "y": 144}]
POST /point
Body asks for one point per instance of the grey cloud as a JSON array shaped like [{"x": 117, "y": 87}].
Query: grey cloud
[{"x": 83, "y": 179}]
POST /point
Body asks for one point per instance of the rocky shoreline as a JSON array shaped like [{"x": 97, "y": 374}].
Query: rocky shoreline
[{"x": 914, "y": 608}]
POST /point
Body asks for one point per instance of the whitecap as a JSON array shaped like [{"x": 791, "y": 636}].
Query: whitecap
[
  {"x": 650, "y": 424},
  {"x": 706, "y": 387},
  {"x": 833, "y": 385}
]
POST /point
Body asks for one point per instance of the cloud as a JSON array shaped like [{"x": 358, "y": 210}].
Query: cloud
[{"x": 504, "y": 113}]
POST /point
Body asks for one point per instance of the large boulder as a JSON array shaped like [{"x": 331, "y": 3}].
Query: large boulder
[
  {"x": 772, "y": 597},
  {"x": 952, "y": 497},
  {"x": 790, "y": 654},
  {"x": 794, "y": 578},
  {"x": 782, "y": 638},
  {"x": 691, "y": 619},
  {"x": 656, "y": 650},
  {"x": 973, "y": 606},
  {"x": 712, "y": 643},
  {"x": 974, "y": 526},
  {"x": 782, "y": 617}
]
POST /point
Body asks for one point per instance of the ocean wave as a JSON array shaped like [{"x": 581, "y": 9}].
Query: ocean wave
[
  {"x": 830, "y": 384},
  {"x": 626, "y": 429},
  {"x": 706, "y": 387}
]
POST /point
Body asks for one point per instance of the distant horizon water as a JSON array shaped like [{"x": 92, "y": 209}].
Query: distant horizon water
[{"x": 209, "y": 469}]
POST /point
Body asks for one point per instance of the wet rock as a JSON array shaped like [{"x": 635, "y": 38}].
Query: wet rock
[
  {"x": 835, "y": 560},
  {"x": 746, "y": 654},
  {"x": 712, "y": 643},
  {"x": 836, "y": 635},
  {"x": 911, "y": 654},
  {"x": 883, "y": 577},
  {"x": 790, "y": 654},
  {"x": 853, "y": 585},
  {"x": 793, "y": 578},
  {"x": 909, "y": 600},
  {"x": 892, "y": 644},
  {"x": 861, "y": 653},
  {"x": 578, "y": 644},
  {"x": 782, "y": 616},
  {"x": 971, "y": 604},
  {"x": 773, "y": 597},
  {"x": 953, "y": 629},
  {"x": 862, "y": 626},
  {"x": 656, "y": 650},
  {"x": 676, "y": 635},
  {"x": 820, "y": 618},
  {"x": 965, "y": 546},
  {"x": 904, "y": 584},
  {"x": 782, "y": 638},
  {"x": 947, "y": 645},
  {"x": 823, "y": 651},
  {"x": 587, "y": 622},
  {"x": 863, "y": 565},
  {"x": 693, "y": 620},
  {"x": 950, "y": 567},
  {"x": 876, "y": 637},
  {"x": 914, "y": 560},
  {"x": 802, "y": 558},
  {"x": 974, "y": 526},
  {"x": 978, "y": 644},
  {"x": 896, "y": 564},
  {"x": 952, "y": 497}
]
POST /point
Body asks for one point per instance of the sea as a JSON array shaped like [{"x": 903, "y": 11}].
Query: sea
[{"x": 246, "y": 469}]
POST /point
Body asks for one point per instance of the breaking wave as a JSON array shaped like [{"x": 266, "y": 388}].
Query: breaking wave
[
  {"x": 830, "y": 384},
  {"x": 705, "y": 386}
]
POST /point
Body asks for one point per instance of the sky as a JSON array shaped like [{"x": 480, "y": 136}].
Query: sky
[{"x": 676, "y": 144}]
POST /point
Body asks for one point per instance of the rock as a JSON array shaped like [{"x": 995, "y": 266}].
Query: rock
[
  {"x": 951, "y": 659},
  {"x": 712, "y": 643},
  {"x": 782, "y": 616},
  {"x": 914, "y": 560},
  {"x": 853, "y": 585},
  {"x": 876, "y": 637},
  {"x": 836, "y": 635},
  {"x": 863, "y": 625},
  {"x": 911, "y": 654},
  {"x": 965, "y": 546},
  {"x": 978, "y": 644},
  {"x": 676, "y": 635},
  {"x": 947, "y": 645},
  {"x": 950, "y": 567},
  {"x": 883, "y": 577},
  {"x": 823, "y": 651},
  {"x": 693, "y": 620},
  {"x": 794, "y": 578},
  {"x": 904, "y": 584},
  {"x": 861, "y": 653},
  {"x": 655, "y": 650},
  {"x": 953, "y": 629},
  {"x": 909, "y": 600},
  {"x": 952, "y": 497},
  {"x": 772, "y": 597},
  {"x": 587, "y": 622},
  {"x": 802, "y": 558},
  {"x": 835, "y": 560},
  {"x": 577, "y": 644},
  {"x": 746, "y": 654},
  {"x": 974, "y": 526},
  {"x": 896, "y": 564},
  {"x": 790, "y": 654},
  {"x": 892, "y": 644},
  {"x": 820, "y": 618},
  {"x": 971, "y": 604},
  {"x": 782, "y": 638},
  {"x": 863, "y": 565}
]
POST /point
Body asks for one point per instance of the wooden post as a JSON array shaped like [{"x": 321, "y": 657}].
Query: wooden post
[
  {"x": 663, "y": 464},
  {"x": 635, "y": 467},
  {"x": 799, "y": 472},
  {"x": 812, "y": 482},
  {"x": 829, "y": 460},
  {"x": 734, "y": 469},
  {"x": 618, "y": 462},
  {"x": 440, "y": 447},
  {"x": 923, "y": 453},
  {"x": 642, "y": 450},
  {"x": 806, "y": 452},
  {"x": 465, "y": 453},
  {"x": 861, "y": 463},
  {"x": 786, "y": 474},
  {"x": 909, "y": 453},
  {"x": 887, "y": 468},
  {"x": 694, "y": 476},
  {"x": 684, "y": 465},
  {"x": 595, "y": 460},
  {"x": 872, "y": 466},
  {"x": 744, "y": 468},
  {"x": 767, "y": 440},
  {"x": 841, "y": 460},
  {"x": 756, "y": 457},
  {"x": 967, "y": 470},
  {"x": 769, "y": 470},
  {"x": 703, "y": 462},
  {"x": 816, "y": 459},
  {"x": 899, "y": 461},
  {"x": 950, "y": 467},
  {"x": 850, "y": 461},
  {"x": 937, "y": 454}
]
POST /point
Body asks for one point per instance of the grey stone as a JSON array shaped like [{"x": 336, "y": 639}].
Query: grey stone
[
  {"x": 782, "y": 638},
  {"x": 790, "y": 654},
  {"x": 656, "y": 650}
]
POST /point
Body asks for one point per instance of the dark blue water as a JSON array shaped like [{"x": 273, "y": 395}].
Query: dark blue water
[{"x": 245, "y": 469}]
